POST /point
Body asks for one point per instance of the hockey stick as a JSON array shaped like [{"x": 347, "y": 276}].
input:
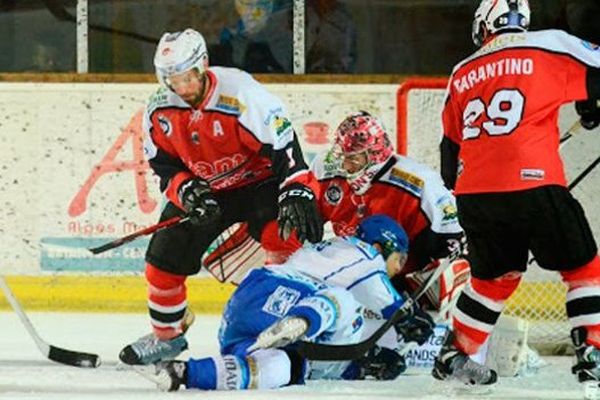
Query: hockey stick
[
  {"x": 146, "y": 231},
  {"x": 57, "y": 354},
  {"x": 584, "y": 173},
  {"x": 570, "y": 132},
  {"x": 332, "y": 352},
  {"x": 164, "y": 224}
]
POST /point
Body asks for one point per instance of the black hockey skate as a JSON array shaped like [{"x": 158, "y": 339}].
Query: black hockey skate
[
  {"x": 170, "y": 375},
  {"x": 587, "y": 367},
  {"x": 452, "y": 363}
]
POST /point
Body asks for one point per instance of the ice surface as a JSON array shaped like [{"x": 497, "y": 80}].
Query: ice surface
[{"x": 26, "y": 374}]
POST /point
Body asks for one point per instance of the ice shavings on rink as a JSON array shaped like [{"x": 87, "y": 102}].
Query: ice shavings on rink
[{"x": 26, "y": 374}]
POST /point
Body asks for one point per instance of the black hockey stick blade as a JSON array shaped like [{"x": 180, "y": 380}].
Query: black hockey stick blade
[
  {"x": 74, "y": 358},
  {"x": 336, "y": 352},
  {"x": 68, "y": 357}
]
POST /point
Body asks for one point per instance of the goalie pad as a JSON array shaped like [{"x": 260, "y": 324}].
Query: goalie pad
[
  {"x": 441, "y": 295},
  {"x": 233, "y": 254},
  {"x": 507, "y": 350}
]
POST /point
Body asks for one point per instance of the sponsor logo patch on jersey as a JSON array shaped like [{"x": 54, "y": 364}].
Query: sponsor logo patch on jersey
[
  {"x": 281, "y": 125},
  {"x": 590, "y": 45},
  {"x": 158, "y": 98},
  {"x": 230, "y": 104},
  {"x": 408, "y": 181},
  {"x": 357, "y": 323},
  {"x": 281, "y": 301},
  {"x": 532, "y": 174},
  {"x": 448, "y": 208},
  {"x": 273, "y": 113},
  {"x": 334, "y": 194},
  {"x": 165, "y": 124}
]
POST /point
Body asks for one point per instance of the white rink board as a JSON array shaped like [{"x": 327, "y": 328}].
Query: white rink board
[
  {"x": 70, "y": 177},
  {"x": 54, "y": 137},
  {"x": 26, "y": 374}
]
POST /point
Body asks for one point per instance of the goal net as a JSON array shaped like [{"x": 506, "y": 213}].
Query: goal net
[{"x": 540, "y": 297}]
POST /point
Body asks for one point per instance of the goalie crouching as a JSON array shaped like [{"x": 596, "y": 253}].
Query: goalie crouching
[{"x": 318, "y": 295}]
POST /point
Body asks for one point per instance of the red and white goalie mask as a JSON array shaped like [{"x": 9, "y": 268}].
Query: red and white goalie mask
[{"x": 361, "y": 147}]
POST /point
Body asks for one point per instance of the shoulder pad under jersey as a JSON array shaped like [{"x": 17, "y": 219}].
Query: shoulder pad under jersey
[
  {"x": 550, "y": 40},
  {"x": 258, "y": 110},
  {"x": 164, "y": 98}
]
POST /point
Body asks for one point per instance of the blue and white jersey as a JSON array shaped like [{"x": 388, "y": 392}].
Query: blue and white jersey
[
  {"x": 262, "y": 298},
  {"x": 349, "y": 263}
]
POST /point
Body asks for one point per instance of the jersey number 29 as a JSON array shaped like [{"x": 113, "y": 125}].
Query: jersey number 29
[{"x": 504, "y": 113}]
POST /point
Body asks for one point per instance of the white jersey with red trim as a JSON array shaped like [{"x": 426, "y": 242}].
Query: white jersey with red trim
[
  {"x": 501, "y": 110},
  {"x": 238, "y": 135}
]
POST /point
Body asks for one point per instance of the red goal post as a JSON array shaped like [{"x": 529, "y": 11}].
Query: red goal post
[{"x": 406, "y": 89}]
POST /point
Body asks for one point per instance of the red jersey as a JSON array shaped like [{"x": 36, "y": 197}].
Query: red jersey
[
  {"x": 411, "y": 193},
  {"x": 501, "y": 109},
  {"x": 240, "y": 134}
]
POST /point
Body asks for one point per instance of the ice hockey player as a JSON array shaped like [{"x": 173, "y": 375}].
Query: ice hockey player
[
  {"x": 500, "y": 154},
  {"x": 225, "y": 152},
  {"x": 317, "y": 295},
  {"x": 361, "y": 176}
]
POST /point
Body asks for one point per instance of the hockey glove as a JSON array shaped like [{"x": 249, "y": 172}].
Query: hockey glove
[
  {"x": 298, "y": 210},
  {"x": 380, "y": 363},
  {"x": 199, "y": 202},
  {"x": 589, "y": 113},
  {"x": 415, "y": 327}
]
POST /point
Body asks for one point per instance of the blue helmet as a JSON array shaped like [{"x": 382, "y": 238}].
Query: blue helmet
[{"x": 384, "y": 230}]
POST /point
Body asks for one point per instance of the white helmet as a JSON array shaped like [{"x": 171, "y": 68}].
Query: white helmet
[
  {"x": 494, "y": 16},
  {"x": 179, "y": 52}
]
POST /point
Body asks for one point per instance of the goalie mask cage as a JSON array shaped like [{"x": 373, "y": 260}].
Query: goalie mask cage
[{"x": 540, "y": 298}]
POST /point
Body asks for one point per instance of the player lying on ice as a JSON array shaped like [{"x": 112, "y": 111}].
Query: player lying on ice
[{"x": 318, "y": 295}]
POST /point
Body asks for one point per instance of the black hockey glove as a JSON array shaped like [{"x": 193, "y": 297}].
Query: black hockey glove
[
  {"x": 298, "y": 210},
  {"x": 415, "y": 327},
  {"x": 199, "y": 202},
  {"x": 380, "y": 363},
  {"x": 589, "y": 113}
]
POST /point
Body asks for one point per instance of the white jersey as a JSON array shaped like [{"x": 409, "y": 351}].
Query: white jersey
[{"x": 351, "y": 264}]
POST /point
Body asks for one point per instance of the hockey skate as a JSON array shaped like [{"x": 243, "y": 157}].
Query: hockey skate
[
  {"x": 170, "y": 375},
  {"x": 281, "y": 333},
  {"x": 149, "y": 349},
  {"x": 587, "y": 367},
  {"x": 452, "y": 363}
]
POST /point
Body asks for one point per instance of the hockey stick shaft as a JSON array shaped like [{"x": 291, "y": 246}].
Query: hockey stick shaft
[
  {"x": 142, "y": 232},
  {"x": 570, "y": 132},
  {"x": 164, "y": 224},
  {"x": 57, "y": 354},
  {"x": 584, "y": 173},
  {"x": 326, "y": 352}
]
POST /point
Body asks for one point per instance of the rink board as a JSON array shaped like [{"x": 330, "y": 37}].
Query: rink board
[{"x": 128, "y": 293}]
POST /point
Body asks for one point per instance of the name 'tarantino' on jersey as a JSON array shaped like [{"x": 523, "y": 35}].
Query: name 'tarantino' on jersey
[{"x": 501, "y": 110}]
